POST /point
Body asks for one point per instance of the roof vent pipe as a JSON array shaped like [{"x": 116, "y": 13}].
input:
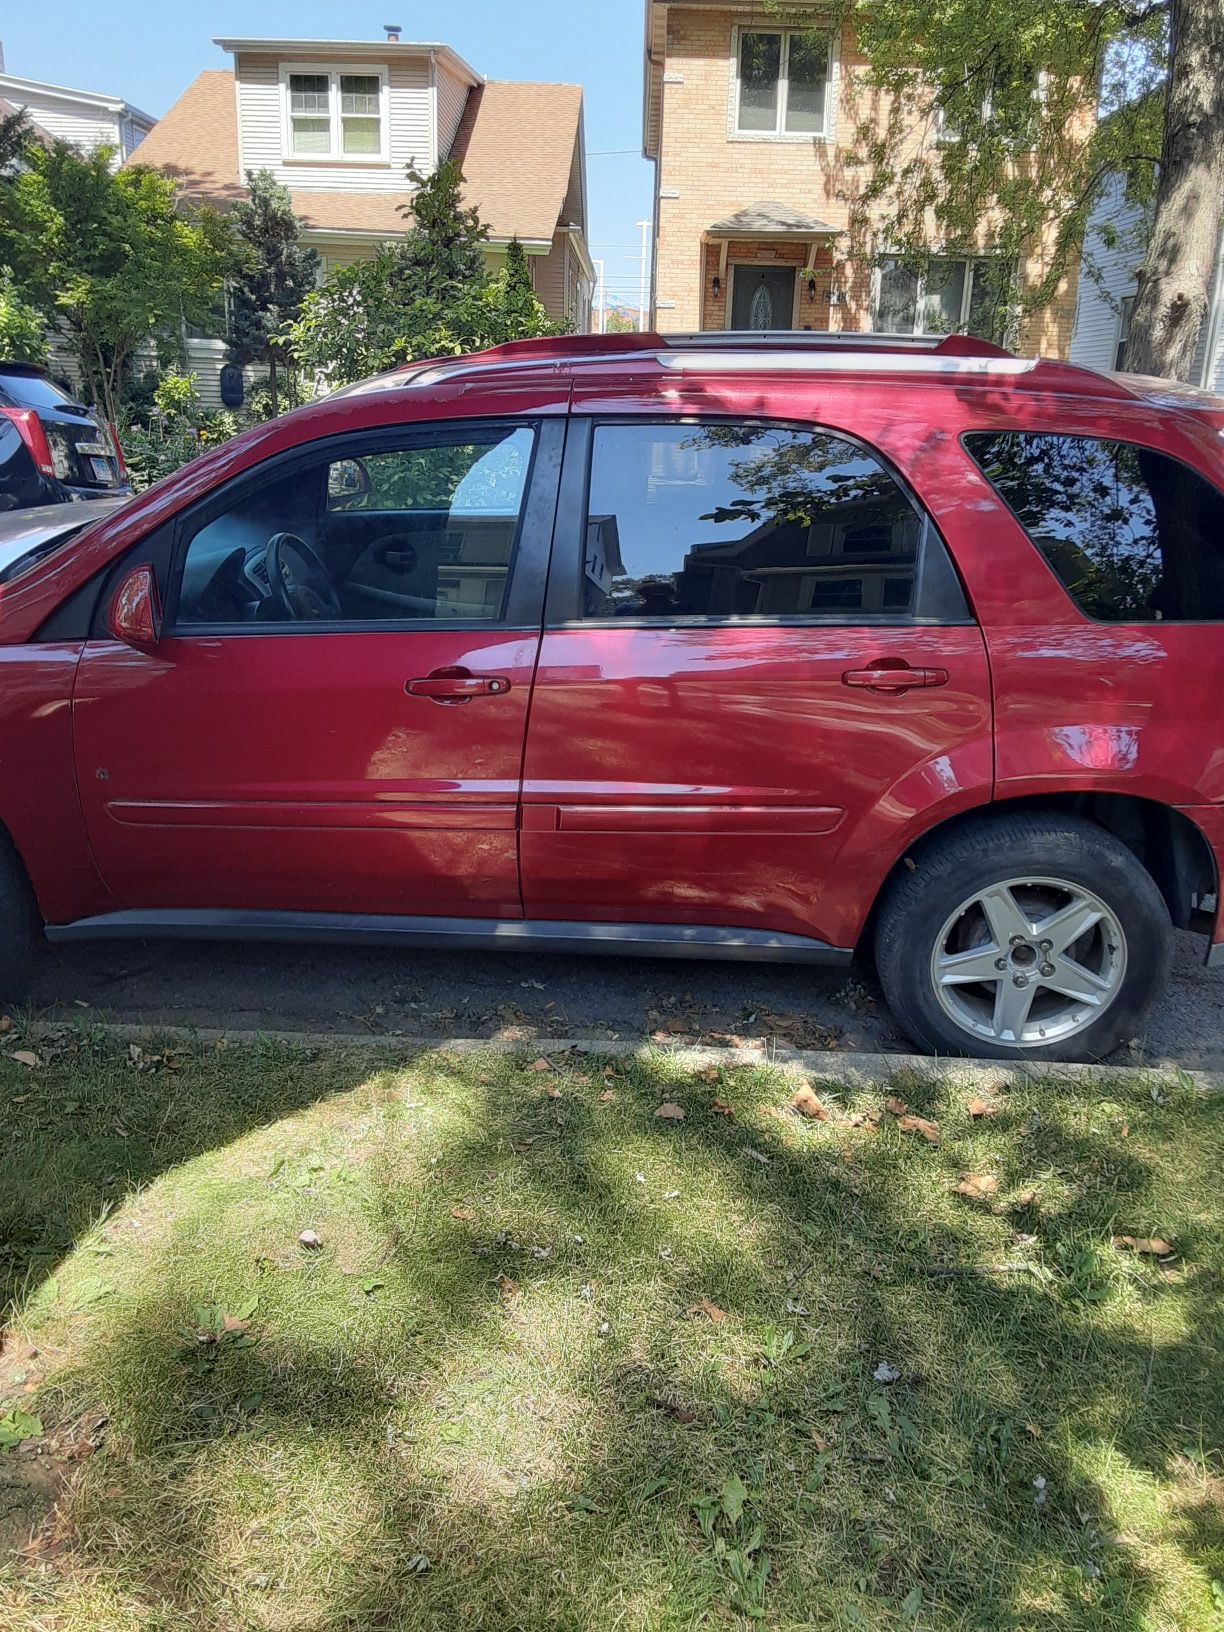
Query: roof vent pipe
[{"x": 393, "y": 32}]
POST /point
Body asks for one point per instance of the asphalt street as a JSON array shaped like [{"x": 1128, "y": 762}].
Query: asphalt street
[{"x": 513, "y": 996}]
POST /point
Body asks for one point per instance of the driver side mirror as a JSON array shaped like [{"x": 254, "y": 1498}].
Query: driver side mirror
[
  {"x": 348, "y": 482},
  {"x": 135, "y": 614}
]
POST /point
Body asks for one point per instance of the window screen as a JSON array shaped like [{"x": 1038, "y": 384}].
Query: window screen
[
  {"x": 745, "y": 521},
  {"x": 1135, "y": 536}
]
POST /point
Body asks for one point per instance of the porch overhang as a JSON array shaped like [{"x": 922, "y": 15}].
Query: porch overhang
[{"x": 778, "y": 223}]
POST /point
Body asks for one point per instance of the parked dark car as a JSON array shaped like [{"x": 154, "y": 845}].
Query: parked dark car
[
  {"x": 727, "y": 646},
  {"x": 52, "y": 450}
]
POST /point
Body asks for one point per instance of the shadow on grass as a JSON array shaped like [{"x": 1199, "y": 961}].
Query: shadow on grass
[{"x": 503, "y": 1419}]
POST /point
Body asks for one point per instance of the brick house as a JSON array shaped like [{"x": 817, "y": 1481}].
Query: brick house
[
  {"x": 751, "y": 126},
  {"x": 336, "y": 121}
]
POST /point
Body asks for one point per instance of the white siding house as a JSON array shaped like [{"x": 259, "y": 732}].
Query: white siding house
[
  {"x": 1113, "y": 252},
  {"x": 337, "y": 122},
  {"x": 87, "y": 119}
]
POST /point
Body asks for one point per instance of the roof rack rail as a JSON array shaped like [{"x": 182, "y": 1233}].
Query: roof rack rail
[
  {"x": 567, "y": 347},
  {"x": 943, "y": 345}
]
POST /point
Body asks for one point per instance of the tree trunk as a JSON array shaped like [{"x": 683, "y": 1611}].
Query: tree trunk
[
  {"x": 272, "y": 387},
  {"x": 1175, "y": 282}
]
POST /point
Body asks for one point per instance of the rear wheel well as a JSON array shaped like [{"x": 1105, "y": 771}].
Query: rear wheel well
[{"x": 1168, "y": 844}]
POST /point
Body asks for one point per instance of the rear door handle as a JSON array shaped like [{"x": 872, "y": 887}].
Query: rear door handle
[
  {"x": 903, "y": 678},
  {"x": 457, "y": 685}
]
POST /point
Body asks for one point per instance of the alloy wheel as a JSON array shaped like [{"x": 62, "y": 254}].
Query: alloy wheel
[{"x": 1028, "y": 962}]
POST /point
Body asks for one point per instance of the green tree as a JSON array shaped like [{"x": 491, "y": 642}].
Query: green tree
[
  {"x": 444, "y": 253},
  {"x": 274, "y": 274},
  {"x": 23, "y": 334},
  {"x": 428, "y": 294},
  {"x": 1004, "y": 95},
  {"x": 107, "y": 258}
]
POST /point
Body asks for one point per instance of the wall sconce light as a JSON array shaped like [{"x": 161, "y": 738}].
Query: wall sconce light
[
  {"x": 811, "y": 288},
  {"x": 717, "y": 286}
]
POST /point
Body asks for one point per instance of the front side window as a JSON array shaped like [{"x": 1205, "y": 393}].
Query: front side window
[
  {"x": 426, "y": 530},
  {"x": 745, "y": 521},
  {"x": 1135, "y": 536},
  {"x": 945, "y": 297},
  {"x": 783, "y": 80},
  {"x": 335, "y": 115}
]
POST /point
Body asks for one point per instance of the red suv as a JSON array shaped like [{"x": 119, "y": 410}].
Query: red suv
[{"x": 760, "y": 647}]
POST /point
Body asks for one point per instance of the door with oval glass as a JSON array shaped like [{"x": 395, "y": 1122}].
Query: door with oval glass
[{"x": 763, "y": 297}]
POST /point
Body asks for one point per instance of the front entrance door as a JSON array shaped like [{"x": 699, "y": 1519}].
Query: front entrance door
[{"x": 763, "y": 297}]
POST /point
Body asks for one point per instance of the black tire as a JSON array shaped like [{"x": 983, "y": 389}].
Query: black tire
[
  {"x": 941, "y": 874},
  {"x": 20, "y": 925}
]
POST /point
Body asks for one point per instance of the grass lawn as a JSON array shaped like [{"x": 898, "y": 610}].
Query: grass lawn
[{"x": 554, "y": 1360}]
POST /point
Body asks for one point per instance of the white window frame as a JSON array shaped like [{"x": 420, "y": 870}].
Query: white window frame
[
  {"x": 780, "y": 132},
  {"x": 335, "y": 154},
  {"x": 970, "y": 262}
]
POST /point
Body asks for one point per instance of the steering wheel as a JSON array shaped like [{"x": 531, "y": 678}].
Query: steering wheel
[{"x": 300, "y": 585}]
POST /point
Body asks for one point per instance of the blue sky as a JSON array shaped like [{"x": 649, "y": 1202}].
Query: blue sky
[{"x": 149, "y": 50}]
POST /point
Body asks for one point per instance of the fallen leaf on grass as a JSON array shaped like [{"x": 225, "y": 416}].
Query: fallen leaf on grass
[
  {"x": 606, "y": 1097},
  {"x": 581, "y": 1082},
  {"x": 977, "y": 1186},
  {"x": 710, "y": 1310},
  {"x": 1026, "y": 1198},
  {"x": 553, "y": 1093},
  {"x": 538, "y": 1065},
  {"x": 805, "y": 1103},
  {"x": 16, "y": 1427},
  {"x": 25, "y": 1056},
  {"x": 919, "y": 1124},
  {"x": 981, "y": 1107},
  {"x": 6, "y": 1022},
  {"x": 507, "y": 1288},
  {"x": 721, "y": 1108},
  {"x": 865, "y": 1119},
  {"x": 671, "y": 1112},
  {"x": 232, "y": 1323},
  {"x": 464, "y": 1214},
  {"x": 308, "y": 1238},
  {"x": 895, "y": 1106},
  {"x": 1151, "y": 1245}
]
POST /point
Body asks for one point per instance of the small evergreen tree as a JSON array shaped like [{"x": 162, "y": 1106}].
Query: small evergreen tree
[
  {"x": 275, "y": 273},
  {"x": 444, "y": 254}
]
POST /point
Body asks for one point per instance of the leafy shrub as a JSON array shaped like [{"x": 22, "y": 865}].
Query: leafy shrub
[{"x": 22, "y": 336}]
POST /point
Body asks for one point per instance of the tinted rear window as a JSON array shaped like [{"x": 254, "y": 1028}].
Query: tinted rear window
[
  {"x": 1135, "y": 536},
  {"x": 31, "y": 391}
]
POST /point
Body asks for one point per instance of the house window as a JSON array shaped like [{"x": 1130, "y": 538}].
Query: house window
[
  {"x": 947, "y": 297},
  {"x": 782, "y": 83},
  {"x": 336, "y": 115},
  {"x": 1126, "y": 309}
]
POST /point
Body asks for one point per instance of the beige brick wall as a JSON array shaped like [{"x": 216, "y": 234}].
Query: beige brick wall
[{"x": 706, "y": 174}]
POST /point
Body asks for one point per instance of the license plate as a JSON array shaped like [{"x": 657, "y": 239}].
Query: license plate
[{"x": 101, "y": 470}]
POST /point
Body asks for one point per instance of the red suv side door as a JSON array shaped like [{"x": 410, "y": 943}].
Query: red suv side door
[
  {"x": 363, "y": 757},
  {"x": 759, "y": 678}
]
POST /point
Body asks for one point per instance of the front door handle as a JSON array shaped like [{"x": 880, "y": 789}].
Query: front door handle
[
  {"x": 457, "y": 685},
  {"x": 898, "y": 677}
]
